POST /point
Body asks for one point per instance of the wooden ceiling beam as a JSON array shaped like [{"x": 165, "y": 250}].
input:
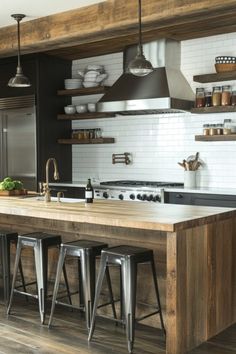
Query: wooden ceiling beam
[{"x": 112, "y": 24}]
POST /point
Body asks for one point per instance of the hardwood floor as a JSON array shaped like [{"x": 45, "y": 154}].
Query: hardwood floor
[{"x": 22, "y": 333}]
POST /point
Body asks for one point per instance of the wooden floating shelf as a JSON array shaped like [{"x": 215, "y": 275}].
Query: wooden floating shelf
[
  {"x": 215, "y": 77},
  {"x": 215, "y": 137},
  {"x": 87, "y": 141},
  {"x": 90, "y": 115},
  {"x": 216, "y": 109},
  {"x": 83, "y": 91}
]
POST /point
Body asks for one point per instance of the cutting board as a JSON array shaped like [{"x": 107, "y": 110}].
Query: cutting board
[{"x": 13, "y": 192}]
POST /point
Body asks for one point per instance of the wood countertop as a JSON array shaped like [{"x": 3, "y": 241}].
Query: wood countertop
[{"x": 149, "y": 216}]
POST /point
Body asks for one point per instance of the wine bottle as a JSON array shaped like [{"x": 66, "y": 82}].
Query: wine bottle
[{"x": 89, "y": 192}]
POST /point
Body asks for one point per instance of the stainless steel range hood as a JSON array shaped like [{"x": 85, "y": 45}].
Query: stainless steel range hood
[{"x": 165, "y": 90}]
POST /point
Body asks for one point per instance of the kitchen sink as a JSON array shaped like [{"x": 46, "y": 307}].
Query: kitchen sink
[{"x": 62, "y": 200}]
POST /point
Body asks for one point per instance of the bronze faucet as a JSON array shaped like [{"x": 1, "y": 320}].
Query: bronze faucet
[{"x": 47, "y": 194}]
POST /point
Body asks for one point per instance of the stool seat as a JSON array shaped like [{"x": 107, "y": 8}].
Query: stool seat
[
  {"x": 128, "y": 257},
  {"x": 86, "y": 251},
  {"x": 40, "y": 242}
]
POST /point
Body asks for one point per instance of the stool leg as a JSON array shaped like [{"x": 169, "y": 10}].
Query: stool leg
[
  {"x": 110, "y": 292},
  {"x": 87, "y": 263},
  {"x": 157, "y": 295},
  {"x": 40, "y": 272},
  {"x": 129, "y": 279},
  {"x": 17, "y": 260},
  {"x": 67, "y": 284},
  {"x": 5, "y": 257},
  {"x": 101, "y": 274},
  {"x": 57, "y": 281}
]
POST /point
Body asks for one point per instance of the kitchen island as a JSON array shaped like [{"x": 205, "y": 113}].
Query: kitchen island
[{"x": 194, "y": 247}]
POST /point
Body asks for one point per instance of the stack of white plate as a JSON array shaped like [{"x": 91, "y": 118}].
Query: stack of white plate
[{"x": 72, "y": 83}]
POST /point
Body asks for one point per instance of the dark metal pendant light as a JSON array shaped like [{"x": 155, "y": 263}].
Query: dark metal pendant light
[
  {"x": 140, "y": 66},
  {"x": 20, "y": 80}
]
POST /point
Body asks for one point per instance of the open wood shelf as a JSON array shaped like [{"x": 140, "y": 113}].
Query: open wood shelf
[
  {"x": 87, "y": 141},
  {"x": 215, "y": 137},
  {"x": 215, "y": 77},
  {"x": 83, "y": 91},
  {"x": 89, "y": 115},
  {"x": 215, "y": 109}
]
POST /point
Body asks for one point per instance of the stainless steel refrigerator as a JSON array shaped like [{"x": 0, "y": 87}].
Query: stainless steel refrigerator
[{"x": 18, "y": 143}]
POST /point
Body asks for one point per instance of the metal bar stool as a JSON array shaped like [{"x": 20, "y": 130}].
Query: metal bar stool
[
  {"x": 6, "y": 238},
  {"x": 86, "y": 251},
  {"x": 40, "y": 242},
  {"x": 128, "y": 257}
]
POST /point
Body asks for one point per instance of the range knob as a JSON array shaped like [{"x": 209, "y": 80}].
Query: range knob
[
  {"x": 144, "y": 197},
  {"x": 157, "y": 198},
  {"x": 150, "y": 197},
  {"x": 105, "y": 195},
  {"x": 132, "y": 196},
  {"x": 139, "y": 197},
  {"x": 121, "y": 197}
]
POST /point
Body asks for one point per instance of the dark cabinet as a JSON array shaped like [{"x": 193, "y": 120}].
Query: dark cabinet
[
  {"x": 205, "y": 199},
  {"x": 46, "y": 74}
]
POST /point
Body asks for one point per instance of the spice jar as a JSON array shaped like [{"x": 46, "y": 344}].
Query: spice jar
[
  {"x": 212, "y": 129},
  {"x": 216, "y": 96},
  {"x": 206, "y": 129},
  {"x": 233, "y": 98},
  {"x": 208, "y": 99},
  {"x": 200, "y": 97},
  {"x": 220, "y": 128},
  {"x": 227, "y": 127},
  {"x": 226, "y": 95}
]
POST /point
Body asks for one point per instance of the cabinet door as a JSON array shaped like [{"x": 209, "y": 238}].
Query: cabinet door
[{"x": 217, "y": 200}]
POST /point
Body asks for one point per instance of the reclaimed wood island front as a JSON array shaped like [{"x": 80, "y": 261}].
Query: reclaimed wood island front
[{"x": 194, "y": 247}]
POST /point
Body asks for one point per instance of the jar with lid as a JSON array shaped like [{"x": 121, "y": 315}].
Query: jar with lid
[
  {"x": 208, "y": 98},
  {"x": 212, "y": 129},
  {"x": 216, "y": 96},
  {"x": 226, "y": 95},
  {"x": 227, "y": 126},
  {"x": 200, "y": 97},
  {"x": 233, "y": 98},
  {"x": 220, "y": 128},
  {"x": 206, "y": 129}
]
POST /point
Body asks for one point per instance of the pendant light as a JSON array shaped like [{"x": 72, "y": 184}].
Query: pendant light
[
  {"x": 140, "y": 66},
  {"x": 20, "y": 80}
]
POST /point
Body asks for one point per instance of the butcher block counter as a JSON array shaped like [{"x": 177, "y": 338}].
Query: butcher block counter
[{"x": 194, "y": 248}]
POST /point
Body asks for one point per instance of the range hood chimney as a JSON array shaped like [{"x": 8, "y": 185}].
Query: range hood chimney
[{"x": 165, "y": 90}]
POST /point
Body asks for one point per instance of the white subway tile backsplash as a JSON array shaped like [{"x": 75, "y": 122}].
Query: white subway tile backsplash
[{"x": 158, "y": 142}]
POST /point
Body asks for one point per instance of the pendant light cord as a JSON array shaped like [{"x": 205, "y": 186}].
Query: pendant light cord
[
  {"x": 140, "y": 48},
  {"x": 18, "y": 39}
]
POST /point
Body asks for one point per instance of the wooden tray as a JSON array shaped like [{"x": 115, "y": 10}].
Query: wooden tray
[{"x": 13, "y": 192}]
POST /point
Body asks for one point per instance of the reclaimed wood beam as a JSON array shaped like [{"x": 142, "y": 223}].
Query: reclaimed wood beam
[{"x": 114, "y": 20}]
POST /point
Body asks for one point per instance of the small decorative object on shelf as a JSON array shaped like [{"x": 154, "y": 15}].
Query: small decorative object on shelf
[
  {"x": 121, "y": 158},
  {"x": 89, "y": 192}
]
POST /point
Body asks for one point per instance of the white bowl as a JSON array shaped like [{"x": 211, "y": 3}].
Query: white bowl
[
  {"x": 90, "y": 83},
  {"x": 95, "y": 67},
  {"x": 91, "y": 107},
  {"x": 81, "y": 108},
  {"x": 70, "y": 109}
]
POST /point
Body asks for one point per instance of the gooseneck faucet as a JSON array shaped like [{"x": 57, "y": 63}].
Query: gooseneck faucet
[{"x": 47, "y": 194}]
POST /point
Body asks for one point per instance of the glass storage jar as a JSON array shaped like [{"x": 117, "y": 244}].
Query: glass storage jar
[
  {"x": 208, "y": 98},
  {"x": 227, "y": 126},
  {"x": 206, "y": 129},
  {"x": 233, "y": 98},
  {"x": 212, "y": 129},
  {"x": 200, "y": 97},
  {"x": 226, "y": 95},
  {"x": 216, "y": 96}
]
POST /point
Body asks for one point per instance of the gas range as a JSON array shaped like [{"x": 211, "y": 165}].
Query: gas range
[{"x": 133, "y": 190}]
